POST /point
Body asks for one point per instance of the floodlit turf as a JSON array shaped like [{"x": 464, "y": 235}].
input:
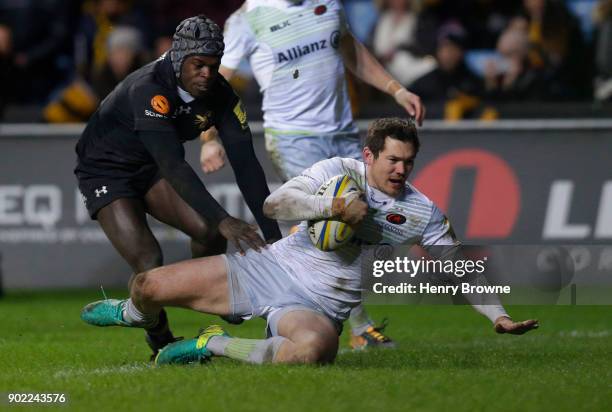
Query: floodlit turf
[{"x": 449, "y": 359}]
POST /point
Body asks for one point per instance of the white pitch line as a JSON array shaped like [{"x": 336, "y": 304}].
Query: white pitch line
[{"x": 67, "y": 373}]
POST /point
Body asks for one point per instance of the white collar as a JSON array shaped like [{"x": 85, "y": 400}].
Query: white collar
[
  {"x": 378, "y": 199},
  {"x": 185, "y": 96}
]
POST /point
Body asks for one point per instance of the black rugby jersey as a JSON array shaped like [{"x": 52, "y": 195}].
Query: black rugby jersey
[{"x": 144, "y": 121}]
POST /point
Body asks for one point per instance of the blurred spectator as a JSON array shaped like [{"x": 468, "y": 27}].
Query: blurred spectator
[
  {"x": 394, "y": 36},
  {"x": 513, "y": 77},
  {"x": 451, "y": 81},
  {"x": 557, "y": 42},
  {"x": 124, "y": 55},
  {"x": 603, "y": 52},
  {"x": 98, "y": 20},
  {"x": 109, "y": 38},
  {"x": 485, "y": 20},
  {"x": 36, "y": 47},
  {"x": 5, "y": 66},
  {"x": 165, "y": 15}
]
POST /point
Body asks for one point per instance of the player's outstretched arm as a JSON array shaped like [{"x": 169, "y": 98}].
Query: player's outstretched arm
[
  {"x": 505, "y": 324},
  {"x": 250, "y": 177},
  {"x": 361, "y": 62},
  {"x": 439, "y": 240}
]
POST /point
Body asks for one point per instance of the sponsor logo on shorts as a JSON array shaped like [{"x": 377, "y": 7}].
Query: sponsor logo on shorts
[
  {"x": 396, "y": 218},
  {"x": 160, "y": 104},
  {"x": 101, "y": 191},
  {"x": 241, "y": 115}
]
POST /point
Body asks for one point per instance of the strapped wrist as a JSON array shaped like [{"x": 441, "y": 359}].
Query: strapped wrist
[
  {"x": 208, "y": 136},
  {"x": 393, "y": 87}
]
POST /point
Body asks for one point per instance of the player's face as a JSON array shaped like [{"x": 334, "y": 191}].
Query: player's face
[
  {"x": 199, "y": 73},
  {"x": 389, "y": 171}
]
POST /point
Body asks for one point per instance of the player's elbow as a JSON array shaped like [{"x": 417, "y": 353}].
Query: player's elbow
[{"x": 271, "y": 206}]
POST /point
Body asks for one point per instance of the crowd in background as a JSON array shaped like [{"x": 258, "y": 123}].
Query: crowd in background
[{"x": 67, "y": 55}]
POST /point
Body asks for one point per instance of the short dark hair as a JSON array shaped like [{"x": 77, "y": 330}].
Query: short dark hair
[{"x": 401, "y": 129}]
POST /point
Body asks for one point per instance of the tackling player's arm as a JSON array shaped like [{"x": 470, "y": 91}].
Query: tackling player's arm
[
  {"x": 159, "y": 136},
  {"x": 297, "y": 198},
  {"x": 439, "y": 239},
  {"x": 239, "y": 41},
  {"x": 169, "y": 154},
  {"x": 361, "y": 62},
  {"x": 238, "y": 142}
]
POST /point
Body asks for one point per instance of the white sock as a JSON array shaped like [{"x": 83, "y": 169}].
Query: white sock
[
  {"x": 135, "y": 317},
  {"x": 247, "y": 350},
  {"x": 359, "y": 320}
]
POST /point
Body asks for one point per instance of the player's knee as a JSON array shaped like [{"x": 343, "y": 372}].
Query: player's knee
[
  {"x": 316, "y": 348},
  {"x": 144, "y": 287}
]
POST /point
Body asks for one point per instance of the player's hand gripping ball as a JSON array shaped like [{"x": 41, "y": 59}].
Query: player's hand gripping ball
[{"x": 331, "y": 234}]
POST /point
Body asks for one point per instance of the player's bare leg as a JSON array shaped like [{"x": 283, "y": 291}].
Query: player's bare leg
[
  {"x": 198, "y": 284},
  {"x": 125, "y": 224},
  {"x": 167, "y": 206},
  {"x": 304, "y": 336}
]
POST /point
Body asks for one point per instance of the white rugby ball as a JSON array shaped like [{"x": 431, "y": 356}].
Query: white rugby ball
[{"x": 330, "y": 234}]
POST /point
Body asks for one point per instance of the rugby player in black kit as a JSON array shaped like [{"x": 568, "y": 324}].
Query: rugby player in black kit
[{"x": 131, "y": 158}]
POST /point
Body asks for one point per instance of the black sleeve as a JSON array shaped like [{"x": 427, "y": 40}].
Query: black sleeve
[
  {"x": 238, "y": 143},
  {"x": 169, "y": 154}
]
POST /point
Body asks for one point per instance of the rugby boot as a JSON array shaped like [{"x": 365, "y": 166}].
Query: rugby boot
[
  {"x": 372, "y": 338},
  {"x": 191, "y": 350},
  {"x": 107, "y": 312}
]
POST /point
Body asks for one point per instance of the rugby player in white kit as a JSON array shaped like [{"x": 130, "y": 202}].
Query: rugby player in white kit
[{"x": 304, "y": 293}]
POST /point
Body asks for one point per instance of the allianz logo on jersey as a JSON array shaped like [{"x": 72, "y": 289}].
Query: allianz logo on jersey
[{"x": 302, "y": 50}]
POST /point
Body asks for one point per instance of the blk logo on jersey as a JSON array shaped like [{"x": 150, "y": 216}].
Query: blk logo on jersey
[
  {"x": 396, "y": 218},
  {"x": 299, "y": 51},
  {"x": 320, "y": 10},
  {"x": 160, "y": 104},
  {"x": 101, "y": 191},
  {"x": 279, "y": 26}
]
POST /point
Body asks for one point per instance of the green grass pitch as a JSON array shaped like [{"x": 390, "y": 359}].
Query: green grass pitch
[{"x": 449, "y": 359}]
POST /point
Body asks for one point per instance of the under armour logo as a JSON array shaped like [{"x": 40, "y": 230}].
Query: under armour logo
[
  {"x": 184, "y": 110},
  {"x": 101, "y": 191}
]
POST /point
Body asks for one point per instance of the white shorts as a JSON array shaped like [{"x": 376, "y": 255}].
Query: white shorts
[
  {"x": 259, "y": 287},
  {"x": 291, "y": 154}
]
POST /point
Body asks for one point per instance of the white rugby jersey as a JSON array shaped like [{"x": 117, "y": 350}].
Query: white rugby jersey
[
  {"x": 333, "y": 279},
  {"x": 293, "y": 52}
]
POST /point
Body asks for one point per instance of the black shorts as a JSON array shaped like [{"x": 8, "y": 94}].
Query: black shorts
[{"x": 98, "y": 190}]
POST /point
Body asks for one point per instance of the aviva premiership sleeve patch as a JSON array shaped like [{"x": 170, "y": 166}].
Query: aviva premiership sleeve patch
[{"x": 241, "y": 115}]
